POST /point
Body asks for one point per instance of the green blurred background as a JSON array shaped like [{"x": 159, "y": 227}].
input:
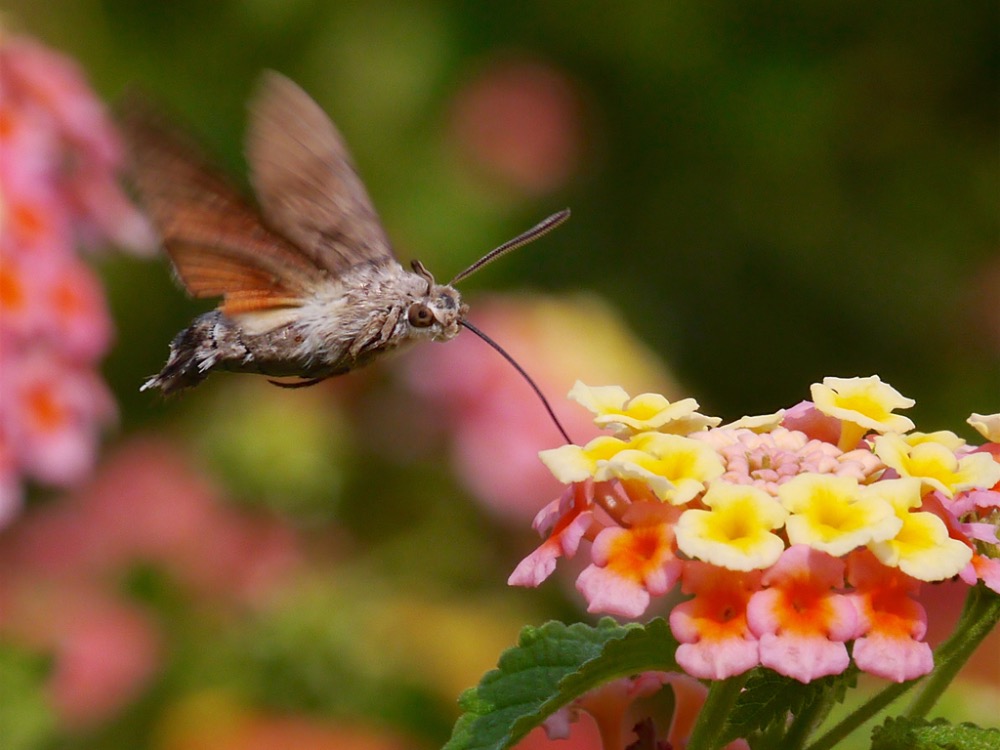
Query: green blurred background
[{"x": 765, "y": 192}]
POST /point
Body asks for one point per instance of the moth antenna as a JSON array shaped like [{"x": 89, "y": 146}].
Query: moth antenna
[
  {"x": 540, "y": 229},
  {"x": 503, "y": 353}
]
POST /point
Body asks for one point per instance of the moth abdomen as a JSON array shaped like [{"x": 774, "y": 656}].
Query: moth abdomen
[{"x": 197, "y": 350}]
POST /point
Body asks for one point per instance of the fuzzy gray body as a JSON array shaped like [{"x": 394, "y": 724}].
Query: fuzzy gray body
[{"x": 347, "y": 323}]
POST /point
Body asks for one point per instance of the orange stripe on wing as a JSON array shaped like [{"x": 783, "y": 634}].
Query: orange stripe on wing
[{"x": 248, "y": 301}]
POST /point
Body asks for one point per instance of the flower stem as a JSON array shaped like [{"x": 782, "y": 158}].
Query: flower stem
[
  {"x": 980, "y": 616},
  {"x": 713, "y": 715},
  {"x": 860, "y": 715},
  {"x": 807, "y": 721}
]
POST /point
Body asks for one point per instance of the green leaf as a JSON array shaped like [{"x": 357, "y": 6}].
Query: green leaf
[
  {"x": 770, "y": 698},
  {"x": 903, "y": 733},
  {"x": 551, "y": 666}
]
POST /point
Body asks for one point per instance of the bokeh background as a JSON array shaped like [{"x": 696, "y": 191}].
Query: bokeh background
[{"x": 763, "y": 193}]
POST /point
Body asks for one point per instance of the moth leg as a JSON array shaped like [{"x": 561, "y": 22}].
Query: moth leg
[
  {"x": 298, "y": 383},
  {"x": 375, "y": 334}
]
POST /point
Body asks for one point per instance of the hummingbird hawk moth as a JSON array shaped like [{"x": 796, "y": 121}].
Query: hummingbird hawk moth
[{"x": 309, "y": 284}]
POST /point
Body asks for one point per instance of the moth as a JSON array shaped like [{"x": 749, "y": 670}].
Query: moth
[{"x": 309, "y": 284}]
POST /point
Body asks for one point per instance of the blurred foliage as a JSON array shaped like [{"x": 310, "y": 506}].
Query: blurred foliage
[
  {"x": 768, "y": 192},
  {"x": 26, "y": 718}
]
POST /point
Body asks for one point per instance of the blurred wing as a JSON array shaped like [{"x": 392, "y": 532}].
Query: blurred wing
[
  {"x": 218, "y": 244},
  {"x": 306, "y": 183}
]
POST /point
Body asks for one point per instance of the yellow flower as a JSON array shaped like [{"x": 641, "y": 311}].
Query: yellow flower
[
  {"x": 736, "y": 532},
  {"x": 676, "y": 468},
  {"x": 922, "y": 547},
  {"x": 613, "y": 409},
  {"x": 862, "y": 405},
  {"x": 947, "y": 438},
  {"x": 987, "y": 425},
  {"x": 937, "y": 465},
  {"x": 759, "y": 424},
  {"x": 571, "y": 463},
  {"x": 831, "y": 514}
]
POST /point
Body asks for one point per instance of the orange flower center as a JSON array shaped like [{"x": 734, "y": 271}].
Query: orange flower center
[
  {"x": 804, "y": 608},
  {"x": 722, "y": 614},
  {"x": 45, "y": 408},
  {"x": 28, "y": 220},
  {"x": 6, "y": 123},
  {"x": 12, "y": 295},
  {"x": 891, "y": 612},
  {"x": 66, "y": 300},
  {"x": 638, "y": 552}
]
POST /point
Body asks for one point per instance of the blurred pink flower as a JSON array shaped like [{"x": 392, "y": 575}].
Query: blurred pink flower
[
  {"x": 63, "y": 564},
  {"x": 104, "y": 650},
  {"x": 52, "y": 412},
  {"x": 622, "y": 717},
  {"x": 522, "y": 121},
  {"x": 148, "y": 505},
  {"x": 58, "y": 187},
  {"x": 82, "y": 150},
  {"x": 107, "y": 655},
  {"x": 497, "y": 424}
]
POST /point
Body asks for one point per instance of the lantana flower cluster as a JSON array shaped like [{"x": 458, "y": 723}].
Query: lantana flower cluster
[
  {"x": 793, "y": 534},
  {"x": 58, "y": 190}
]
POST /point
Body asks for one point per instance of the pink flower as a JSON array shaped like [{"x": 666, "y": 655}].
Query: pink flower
[
  {"x": 104, "y": 650},
  {"x": 105, "y": 655},
  {"x": 802, "y": 624},
  {"x": 58, "y": 187},
  {"x": 52, "y": 413},
  {"x": 51, "y": 87},
  {"x": 806, "y": 418},
  {"x": 21, "y": 311},
  {"x": 768, "y": 460},
  {"x": 566, "y": 520},
  {"x": 892, "y": 623},
  {"x": 987, "y": 570},
  {"x": 762, "y": 519},
  {"x": 36, "y": 221},
  {"x": 981, "y": 567},
  {"x": 63, "y": 564},
  {"x": 632, "y": 564},
  {"x": 716, "y": 641},
  {"x": 149, "y": 504}
]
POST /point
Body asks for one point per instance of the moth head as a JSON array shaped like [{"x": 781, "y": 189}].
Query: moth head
[{"x": 438, "y": 312}]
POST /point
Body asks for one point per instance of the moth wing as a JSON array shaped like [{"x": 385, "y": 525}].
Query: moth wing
[
  {"x": 305, "y": 180},
  {"x": 216, "y": 241}
]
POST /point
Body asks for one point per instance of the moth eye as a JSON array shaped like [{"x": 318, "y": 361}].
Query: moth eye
[{"x": 420, "y": 316}]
